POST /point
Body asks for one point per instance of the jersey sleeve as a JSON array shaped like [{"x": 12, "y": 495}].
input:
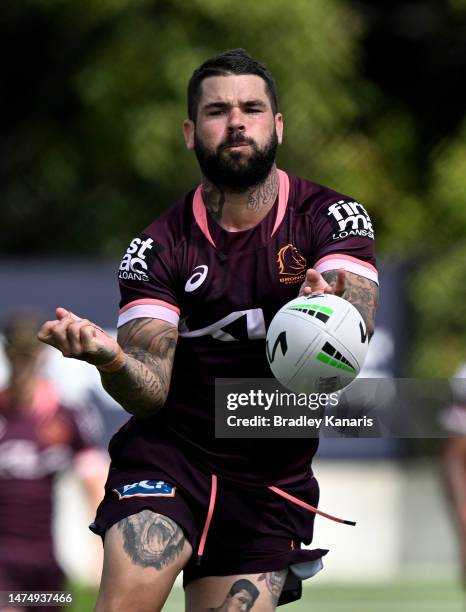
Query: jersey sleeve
[
  {"x": 147, "y": 279},
  {"x": 343, "y": 237}
]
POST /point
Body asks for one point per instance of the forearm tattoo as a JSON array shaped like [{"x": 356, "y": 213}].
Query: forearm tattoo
[
  {"x": 142, "y": 385},
  {"x": 274, "y": 582},
  {"x": 151, "y": 540},
  {"x": 361, "y": 292}
]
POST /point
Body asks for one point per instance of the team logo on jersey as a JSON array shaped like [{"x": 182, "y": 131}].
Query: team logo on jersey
[
  {"x": 138, "y": 256},
  {"x": 349, "y": 219},
  {"x": 197, "y": 278},
  {"x": 146, "y": 488},
  {"x": 291, "y": 264}
]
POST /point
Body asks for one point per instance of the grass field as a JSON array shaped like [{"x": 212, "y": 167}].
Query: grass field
[{"x": 390, "y": 597}]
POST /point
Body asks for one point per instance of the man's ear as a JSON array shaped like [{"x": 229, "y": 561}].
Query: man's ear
[
  {"x": 279, "y": 127},
  {"x": 188, "y": 133}
]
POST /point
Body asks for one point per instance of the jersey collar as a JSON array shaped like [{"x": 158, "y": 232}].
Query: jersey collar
[{"x": 200, "y": 211}]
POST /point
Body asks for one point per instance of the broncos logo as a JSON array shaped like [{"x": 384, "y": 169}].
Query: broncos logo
[{"x": 290, "y": 261}]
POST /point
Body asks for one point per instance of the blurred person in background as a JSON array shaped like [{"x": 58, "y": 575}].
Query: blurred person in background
[
  {"x": 39, "y": 439},
  {"x": 453, "y": 419}
]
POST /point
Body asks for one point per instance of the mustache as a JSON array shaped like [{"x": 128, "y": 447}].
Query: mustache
[{"x": 235, "y": 140}]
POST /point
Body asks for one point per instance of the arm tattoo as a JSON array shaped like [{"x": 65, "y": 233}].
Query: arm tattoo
[
  {"x": 150, "y": 539},
  {"x": 264, "y": 194},
  {"x": 142, "y": 385},
  {"x": 274, "y": 582},
  {"x": 361, "y": 292},
  {"x": 214, "y": 199}
]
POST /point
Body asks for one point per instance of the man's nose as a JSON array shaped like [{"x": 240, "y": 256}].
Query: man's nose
[{"x": 236, "y": 120}]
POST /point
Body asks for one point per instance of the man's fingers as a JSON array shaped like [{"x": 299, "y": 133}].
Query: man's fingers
[
  {"x": 88, "y": 334},
  {"x": 63, "y": 313},
  {"x": 314, "y": 283},
  {"x": 340, "y": 285},
  {"x": 45, "y": 332}
]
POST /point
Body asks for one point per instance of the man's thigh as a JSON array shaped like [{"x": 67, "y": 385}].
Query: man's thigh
[
  {"x": 143, "y": 554},
  {"x": 257, "y": 592}
]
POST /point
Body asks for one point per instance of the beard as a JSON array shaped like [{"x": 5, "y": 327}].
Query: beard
[{"x": 230, "y": 169}]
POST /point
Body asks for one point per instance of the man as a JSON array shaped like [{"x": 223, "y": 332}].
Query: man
[
  {"x": 39, "y": 439},
  {"x": 199, "y": 287}
]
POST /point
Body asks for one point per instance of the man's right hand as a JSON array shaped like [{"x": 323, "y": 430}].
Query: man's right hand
[{"x": 79, "y": 338}]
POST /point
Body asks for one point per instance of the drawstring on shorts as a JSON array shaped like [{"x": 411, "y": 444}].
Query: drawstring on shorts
[{"x": 280, "y": 492}]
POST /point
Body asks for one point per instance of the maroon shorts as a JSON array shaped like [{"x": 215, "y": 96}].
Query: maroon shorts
[{"x": 251, "y": 529}]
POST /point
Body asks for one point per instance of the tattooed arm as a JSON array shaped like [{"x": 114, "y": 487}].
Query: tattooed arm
[
  {"x": 135, "y": 369},
  {"x": 360, "y": 291},
  {"x": 141, "y": 385}
]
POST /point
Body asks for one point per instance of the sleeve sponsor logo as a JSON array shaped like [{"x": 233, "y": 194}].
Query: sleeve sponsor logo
[
  {"x": 136, "y": 260},
  {"x": 349, "y": 219},
  {"x": 146, "y": 488},
  {"x": 291, "y": 264}
]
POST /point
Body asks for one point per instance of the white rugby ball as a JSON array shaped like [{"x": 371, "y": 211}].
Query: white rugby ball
[{"x": 316, "y": 344}]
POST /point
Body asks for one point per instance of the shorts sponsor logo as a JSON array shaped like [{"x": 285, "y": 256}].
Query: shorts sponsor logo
[
  {"x": 350, "y": 219},
  {"x": 197, "y": 278},
  {"x": 146, "y": 488},
  {"x": 291, "y": 265},
  {"x": 138, "y": 256}
]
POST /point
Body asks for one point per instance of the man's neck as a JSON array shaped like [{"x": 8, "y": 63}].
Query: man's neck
[{"x": 240, "y": 211}]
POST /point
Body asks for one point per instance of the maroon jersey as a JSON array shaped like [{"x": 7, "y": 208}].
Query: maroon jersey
[
  {"x": 222, "y": 289},
  {"x": 36, "y": 444}
]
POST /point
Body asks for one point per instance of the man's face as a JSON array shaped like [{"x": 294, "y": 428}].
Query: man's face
[
  {"x": 240, "y": 602},
  {"x": 236, "y": 134}
]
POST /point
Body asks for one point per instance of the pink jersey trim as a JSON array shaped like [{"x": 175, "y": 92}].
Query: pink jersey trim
[
  {"x": 283, "y": 193},
  {"x": 347, "y": 262},
  {"x": 150, "y": 311},
  {"x": 146, "y": 301},
  {"x": 200, "y": 211},
  {"x": 200, "y": 214}
]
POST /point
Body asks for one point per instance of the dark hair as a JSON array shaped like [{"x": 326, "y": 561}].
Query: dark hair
[
  {"x": 233, "y": 61},
  {"x": 244, "y": 585}
]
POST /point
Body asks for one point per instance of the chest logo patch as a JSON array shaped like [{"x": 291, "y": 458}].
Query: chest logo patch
[
  {"x": 146, "y": 488},
  {"x": 291, "y": 264},
  {"x": 197, "y": 278}
]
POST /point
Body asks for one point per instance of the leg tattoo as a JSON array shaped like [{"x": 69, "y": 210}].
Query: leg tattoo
[
  {"x": 151, "y": 540},
  {"x": 274, "y": 582}
]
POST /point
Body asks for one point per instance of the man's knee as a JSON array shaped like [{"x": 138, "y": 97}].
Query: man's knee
[{"x": 143, "y": 554}]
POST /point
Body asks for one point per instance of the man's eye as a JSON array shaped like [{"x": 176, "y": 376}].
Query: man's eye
[
  {"x": 216, "y": 112},
  {"x": 253, "y": 110}
]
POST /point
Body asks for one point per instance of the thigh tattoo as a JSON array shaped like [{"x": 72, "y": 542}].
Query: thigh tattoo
[
  {"x": 274, "y": 582},
  {"x": 151, "y": 540}
]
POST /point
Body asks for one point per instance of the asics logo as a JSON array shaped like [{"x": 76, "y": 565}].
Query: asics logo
[{"x": 196, "y": 279}]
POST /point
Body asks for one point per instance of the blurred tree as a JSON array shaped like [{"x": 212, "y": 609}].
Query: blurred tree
[{"x": 93, "y": 99}]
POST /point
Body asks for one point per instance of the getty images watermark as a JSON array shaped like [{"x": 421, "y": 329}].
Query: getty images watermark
[
  {"x": 367, "y": 408},
  {"x": 315, "y": 402}
]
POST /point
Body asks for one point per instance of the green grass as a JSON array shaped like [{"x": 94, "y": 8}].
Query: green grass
[{"x": 389, "y": 597}]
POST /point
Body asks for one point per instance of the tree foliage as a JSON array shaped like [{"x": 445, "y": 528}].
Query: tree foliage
[{"x": 95, "y": 97}]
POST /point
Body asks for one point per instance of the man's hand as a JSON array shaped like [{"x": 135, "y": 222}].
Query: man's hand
[
  {"x": 79, "y": 338},
  {"x": 316, "y": 283}
]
